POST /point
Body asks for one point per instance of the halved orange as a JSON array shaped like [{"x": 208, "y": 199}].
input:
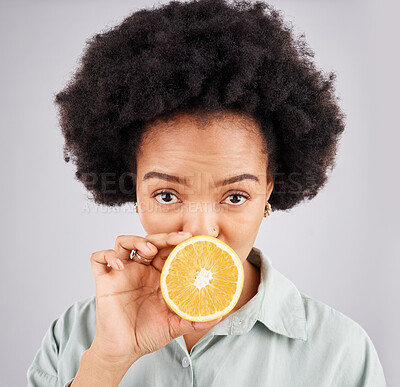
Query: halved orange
[{"x": 202, "y": 278}]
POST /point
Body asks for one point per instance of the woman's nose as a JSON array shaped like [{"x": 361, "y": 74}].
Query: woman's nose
[{"x": 201, "y": 219}]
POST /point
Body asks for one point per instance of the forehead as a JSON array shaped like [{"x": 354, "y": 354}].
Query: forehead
[{"x": 227, "y": 143}]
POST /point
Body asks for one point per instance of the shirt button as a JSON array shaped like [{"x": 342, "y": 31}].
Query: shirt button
[
  {"x": 240, "y": 322},
  {"x": 185, "y": 362}
]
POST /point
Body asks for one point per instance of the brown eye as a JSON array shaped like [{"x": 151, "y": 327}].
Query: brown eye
[
  {"x": 166, "y": 197},
  {"x": 237, "y": 199}
]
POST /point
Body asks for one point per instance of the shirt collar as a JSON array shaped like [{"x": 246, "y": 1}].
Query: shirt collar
[
  {"x": 278, "y": 305},
  {"x": 281, "y": 307}
]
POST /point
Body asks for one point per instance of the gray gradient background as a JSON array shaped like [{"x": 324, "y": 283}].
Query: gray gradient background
[{"x": 340, "y": 248}]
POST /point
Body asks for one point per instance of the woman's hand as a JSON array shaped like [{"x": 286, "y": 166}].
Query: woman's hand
[{"x": 132, "y": 318}]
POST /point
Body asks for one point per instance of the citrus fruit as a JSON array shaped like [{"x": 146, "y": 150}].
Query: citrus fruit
[{"x": 202, "y": 278}]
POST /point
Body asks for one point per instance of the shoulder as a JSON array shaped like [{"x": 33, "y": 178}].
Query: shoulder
[
  {"x": 77, "y": 322},
  {"x": 344, "y": 341},
  {"x": 62, "y": 346},
  {"x": 72, "y": 317},
  {"x": 322, "y": 318},
  {"x": 78, "y": 310}
]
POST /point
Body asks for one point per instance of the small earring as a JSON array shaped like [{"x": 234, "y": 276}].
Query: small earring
[
  {"x": 267, "y": 210},
  {"x": 136, "y": 207}
]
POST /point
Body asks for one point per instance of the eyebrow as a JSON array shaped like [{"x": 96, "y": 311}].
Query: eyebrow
[{"x": 184, "y": 181}]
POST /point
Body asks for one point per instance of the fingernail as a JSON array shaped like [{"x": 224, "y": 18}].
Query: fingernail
[
  {"x": 119, "y": 264},
  {"x": 184, "y": 232},
  {"x": 151, "y": 247}
]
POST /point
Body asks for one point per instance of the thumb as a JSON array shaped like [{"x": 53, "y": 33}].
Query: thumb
[{"x": 196, "y": 326}]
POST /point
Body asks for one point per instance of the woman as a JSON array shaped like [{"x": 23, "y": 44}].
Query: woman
[{"x": 207, "y": 116}]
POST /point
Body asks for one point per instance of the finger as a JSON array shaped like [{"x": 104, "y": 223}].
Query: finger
[
  {"x": 144, "y": 261},
  {"x": 164, "y": 240},
  {"x": 186, "y": 326},
  {"x": 166, "y": 243},
  {"x": 197, "y": 326},
  {"x": 159, "y": 260},
  {"x": 105, "y": 260},
  {"x": 124, "y": 244}
]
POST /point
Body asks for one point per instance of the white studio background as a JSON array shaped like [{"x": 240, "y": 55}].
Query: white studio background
[{"x": 338, "y": 248}]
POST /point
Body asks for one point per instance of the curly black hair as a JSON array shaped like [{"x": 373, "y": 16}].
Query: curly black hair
[{"x": 200, "y": 56}]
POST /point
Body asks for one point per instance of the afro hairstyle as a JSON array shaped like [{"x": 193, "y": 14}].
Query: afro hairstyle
[{"x": 200, "y": 56}]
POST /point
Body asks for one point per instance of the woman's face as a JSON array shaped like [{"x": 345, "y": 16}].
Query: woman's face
[{"x": 183, "y": 172}]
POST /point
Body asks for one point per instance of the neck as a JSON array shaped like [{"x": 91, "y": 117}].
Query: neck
[{"x": 252, "y": 280}]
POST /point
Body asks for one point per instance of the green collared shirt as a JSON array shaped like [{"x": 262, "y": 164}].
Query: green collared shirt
[{"x": 280, "y": 338}]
